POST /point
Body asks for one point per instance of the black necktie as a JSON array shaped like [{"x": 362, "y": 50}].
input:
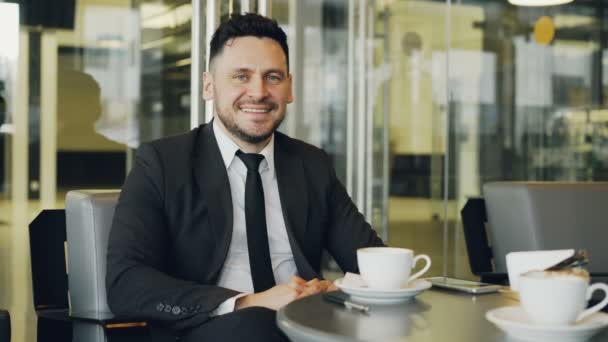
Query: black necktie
[{"x": 255, "y": 218}]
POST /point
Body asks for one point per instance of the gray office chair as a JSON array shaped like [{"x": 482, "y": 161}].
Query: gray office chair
[
  {"x": 88, "y": 221},
  {"x": 525, "y": 216}
]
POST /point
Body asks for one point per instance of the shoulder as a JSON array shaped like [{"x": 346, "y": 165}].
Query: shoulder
[
  {"x": 169, "y": 160},
  {"x": 315, "y": 162},
  {"x": 306, "y": 151},
  {"x": 171, "y": 144},
  {"x": 174, "y": 148}
]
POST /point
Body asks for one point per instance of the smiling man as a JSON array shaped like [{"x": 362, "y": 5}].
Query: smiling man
[
  {"x": 253, "y": 88},
  {"x": 219, "y": 227}
]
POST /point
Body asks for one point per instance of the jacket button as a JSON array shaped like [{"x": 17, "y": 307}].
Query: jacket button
[
  {"x": 176, "y": 310},
  {"x": 168, "y": 308},
  {"x": 160, "y": 307}
]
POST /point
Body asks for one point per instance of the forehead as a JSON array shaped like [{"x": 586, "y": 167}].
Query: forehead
[{"x": 251, "y": 53}]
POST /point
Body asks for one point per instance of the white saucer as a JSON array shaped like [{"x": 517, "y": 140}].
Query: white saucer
[
  {"x": 374, "y": 296},
  {"x": 515, "y": 322}
]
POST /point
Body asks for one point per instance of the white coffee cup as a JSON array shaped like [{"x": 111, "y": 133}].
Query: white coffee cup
[
  {"x": 388, "y": 268},
  {"x": 557, "y": 297}
]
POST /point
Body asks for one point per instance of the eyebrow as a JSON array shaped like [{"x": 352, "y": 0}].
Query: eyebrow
[{"x": 269, "y": 71}]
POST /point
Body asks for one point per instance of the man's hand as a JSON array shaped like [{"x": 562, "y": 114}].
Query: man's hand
[
  {"x": 275, "y": 297},
  {"x": 283, "y": 294},
  {"x": 315, "y": 286}
]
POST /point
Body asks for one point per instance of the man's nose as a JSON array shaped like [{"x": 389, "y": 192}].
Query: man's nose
[{"x": 257, "y": 88}]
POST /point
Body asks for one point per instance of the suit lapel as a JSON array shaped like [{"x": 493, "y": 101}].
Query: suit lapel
[
  {"x": 292, "y": 188},
  {"x": 212, "y": 179},
  {"x": 293, "y": 194}
]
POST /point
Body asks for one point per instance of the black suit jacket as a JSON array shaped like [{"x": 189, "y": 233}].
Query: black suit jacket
[{"x": 173, "y": 223}]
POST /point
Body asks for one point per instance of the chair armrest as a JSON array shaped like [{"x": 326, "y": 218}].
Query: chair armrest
[{"x": 106, "y": 319}]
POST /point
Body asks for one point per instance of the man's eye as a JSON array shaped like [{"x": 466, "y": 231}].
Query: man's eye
[
  {"x": 240, "y": 77},
  {"x": 274, "y": 78}
]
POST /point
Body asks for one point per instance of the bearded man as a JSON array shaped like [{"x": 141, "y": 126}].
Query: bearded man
[{"x": 217, "y": 228}]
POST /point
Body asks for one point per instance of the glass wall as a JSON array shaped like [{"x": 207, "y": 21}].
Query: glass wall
[
  {"x": 165, "y": 52},
  {"x": 98, "y": 91},
  {"x": 418, "y": 103},
  {"x": 411, "y": 48},
  {"x": 338, "y": 101},
  {"x": 80, "y": 88},
  {"x": 527, "y": 96},
  {"x": 480, "y": 91}
]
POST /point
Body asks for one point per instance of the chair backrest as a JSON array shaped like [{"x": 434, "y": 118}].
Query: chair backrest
[
  {"x": 474, "y": 219},
  {"x": 5, "y": 326},
  {"x": 47, "y": 257},
  {"x": 525, "y": 216},
  {"x": 88, "y": 221}
]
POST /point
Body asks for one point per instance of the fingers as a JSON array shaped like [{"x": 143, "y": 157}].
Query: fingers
[
  {"x": 314, "y": 286},
  {"x": 332, "y": 287},
  {"x": 305, "y": 288},
  {"x": 297, "y": 284},
  {"x": 297, "y": 287},
  {"x": 312, "y": 282},
  {"x": 309, "y": 291},
  {"x": 298, "y": 280},
  {"x": 325, "y": 285}
]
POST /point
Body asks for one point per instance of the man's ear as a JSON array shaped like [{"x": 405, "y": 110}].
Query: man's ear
[{"x": 207, "y": 86}]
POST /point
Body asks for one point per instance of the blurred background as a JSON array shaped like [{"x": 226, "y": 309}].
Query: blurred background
[{"x": 419, "y": 103}]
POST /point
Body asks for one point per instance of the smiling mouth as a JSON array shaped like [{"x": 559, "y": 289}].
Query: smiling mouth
[{"x": 255, "y": 110}]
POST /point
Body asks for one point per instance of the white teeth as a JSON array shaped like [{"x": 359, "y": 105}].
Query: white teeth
[{"x": 251, "y": 110}]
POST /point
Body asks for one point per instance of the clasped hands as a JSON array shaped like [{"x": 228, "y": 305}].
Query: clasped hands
[{"x": 283, "y": 294}]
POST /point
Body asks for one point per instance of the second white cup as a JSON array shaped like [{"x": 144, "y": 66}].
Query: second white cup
[
  {"x": 389, "y": 268},
  {"x": 556, "y": 298}
]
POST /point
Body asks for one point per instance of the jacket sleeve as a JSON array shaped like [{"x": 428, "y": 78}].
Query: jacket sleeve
[
  {"x": 137, "y": 280},
  {"x": 348, "y": 230}
]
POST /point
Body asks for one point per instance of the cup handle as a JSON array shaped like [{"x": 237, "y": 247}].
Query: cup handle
[
  {"x": 424, "y": 269},
  {"x": 596, "y": 307}
]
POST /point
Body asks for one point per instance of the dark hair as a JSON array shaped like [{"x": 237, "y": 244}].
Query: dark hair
[{"x": 249, "y": 24}]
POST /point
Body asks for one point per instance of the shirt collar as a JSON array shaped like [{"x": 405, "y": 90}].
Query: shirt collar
[{"x": 228, "y": 149}]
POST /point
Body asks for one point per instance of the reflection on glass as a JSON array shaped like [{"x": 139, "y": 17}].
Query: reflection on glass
[
  {"x": 318, "y": 34},
  {"x": 544, "y": 114},
  {"x": 164, "y": 107},
  {"x": 411, "y": 60},
  {"x": 9, "y": 51},
  {"x": 98, "y": 91},
  {"x": 317, "y": 42}
]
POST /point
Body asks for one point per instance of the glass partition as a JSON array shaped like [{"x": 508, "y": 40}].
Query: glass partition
[
  {"x": 165, "y": 50},
  {"x": 417, "y": 102},
  {"x": 412, "y": 68},
  {"x": 527, "y": 90}
]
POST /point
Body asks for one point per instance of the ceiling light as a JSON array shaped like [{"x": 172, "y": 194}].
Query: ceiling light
[{"x": 539, "y": 2}]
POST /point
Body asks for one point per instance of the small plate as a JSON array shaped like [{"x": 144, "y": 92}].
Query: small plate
[
  {"x": 375, "y": 296},
  {"x": 514, "y": 321}
]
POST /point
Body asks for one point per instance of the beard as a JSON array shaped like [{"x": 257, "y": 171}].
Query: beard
[{"x": 238, "y": 132}]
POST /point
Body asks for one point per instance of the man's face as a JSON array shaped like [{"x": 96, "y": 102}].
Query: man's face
[{"x": 251, "y": 87}]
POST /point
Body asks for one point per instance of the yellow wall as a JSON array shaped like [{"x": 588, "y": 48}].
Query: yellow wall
[{"x": 415, "y": 119}]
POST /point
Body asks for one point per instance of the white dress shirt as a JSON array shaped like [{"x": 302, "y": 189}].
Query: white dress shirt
[{"x": 236, "y": 273}]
